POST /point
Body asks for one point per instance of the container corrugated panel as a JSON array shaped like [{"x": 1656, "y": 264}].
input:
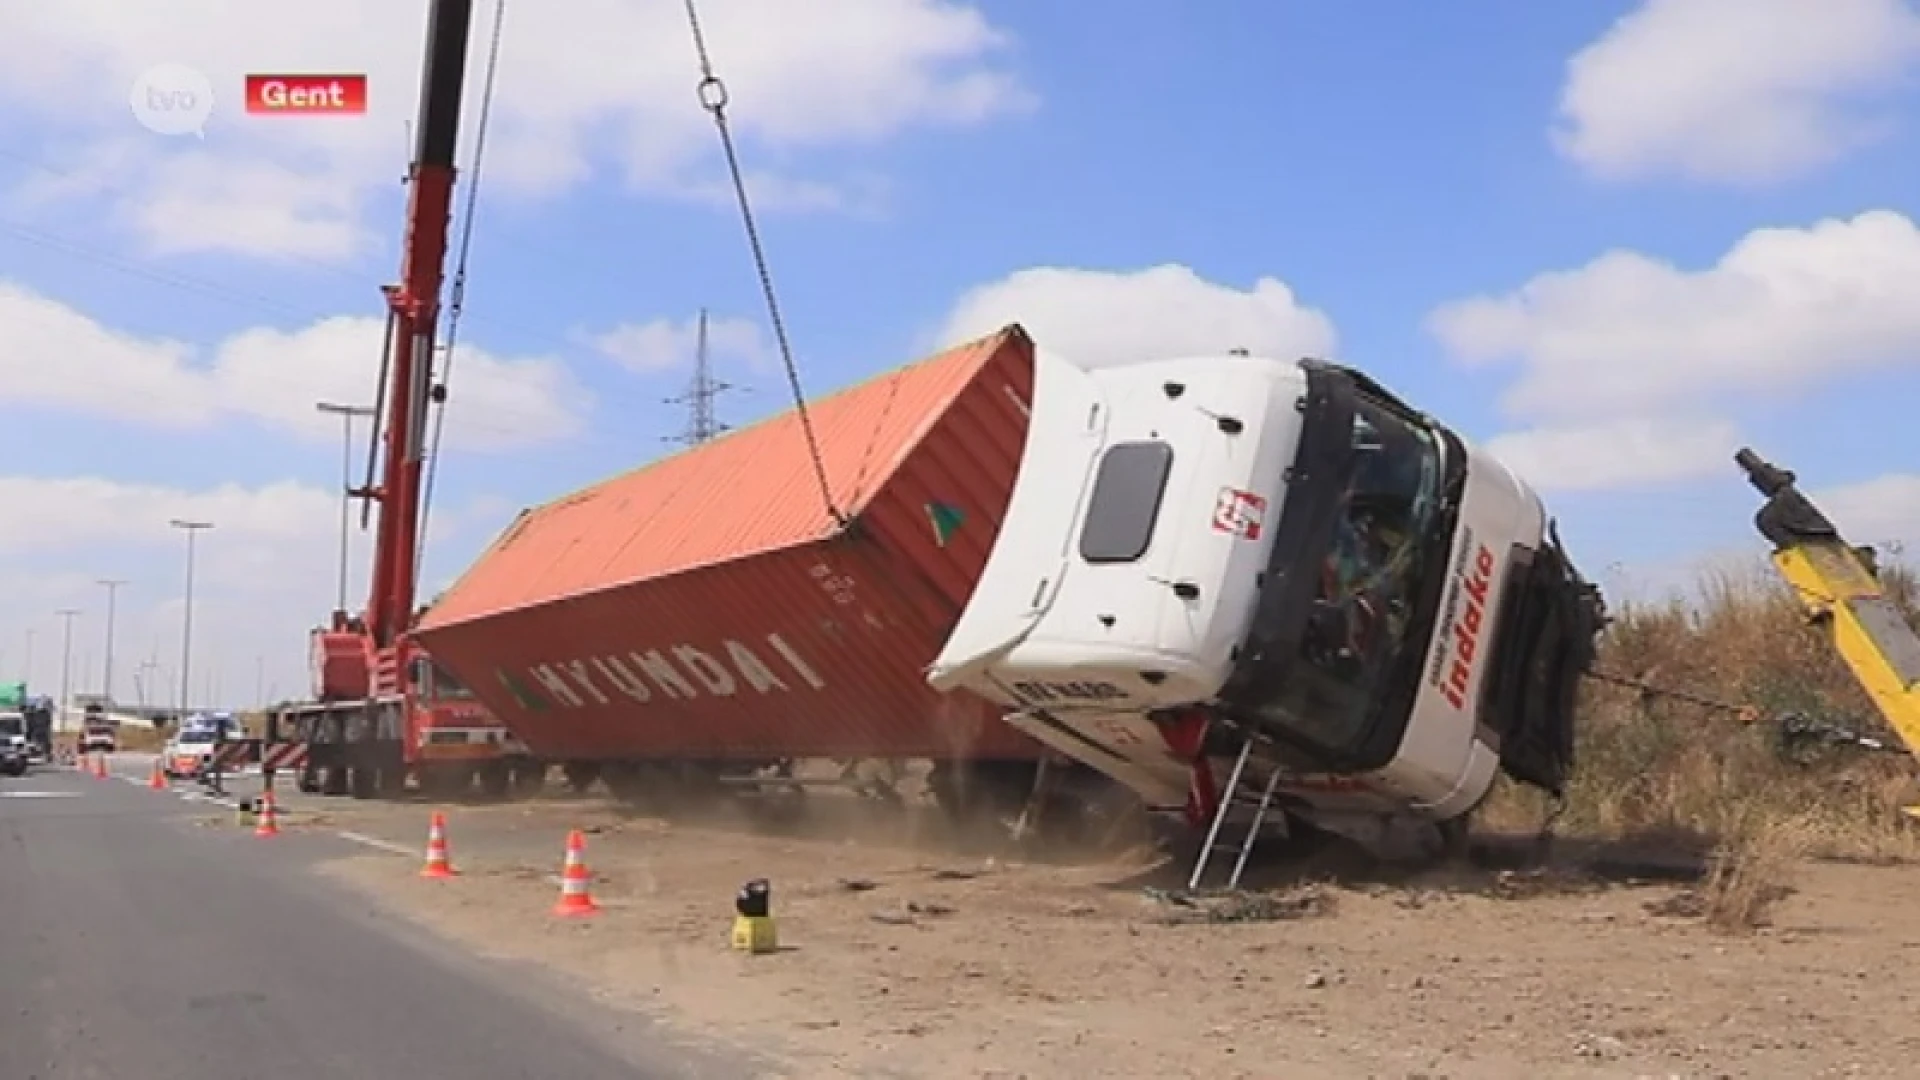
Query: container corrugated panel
[{"x": 710, "y": 605}]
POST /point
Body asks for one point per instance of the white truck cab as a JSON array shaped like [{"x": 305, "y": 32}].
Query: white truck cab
[
  {"x": 15, "y": 752},
  {"x": 99, "y": 733},
  {"x": 1203, "y": 551}
]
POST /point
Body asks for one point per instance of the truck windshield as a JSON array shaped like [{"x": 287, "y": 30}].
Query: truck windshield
[
  {"x": 1332, "y": 671},
  {"x": 444, "y": 686},
  {"x": 1361, "y": 622},
  {"x": 13, "y": 724}
]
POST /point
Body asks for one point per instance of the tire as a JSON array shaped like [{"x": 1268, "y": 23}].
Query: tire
[
  {"x": 527, "y": 779},
  {"x": 496, "y": 780},
  {"x": 1456, "y": 839},
  {"x": 581, "y": 775}
]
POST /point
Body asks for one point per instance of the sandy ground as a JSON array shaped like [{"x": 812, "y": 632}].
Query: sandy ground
[{"x": 905, "y": 959}]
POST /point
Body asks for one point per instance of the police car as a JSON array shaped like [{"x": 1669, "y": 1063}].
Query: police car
[{"x": 189, "y": 752}]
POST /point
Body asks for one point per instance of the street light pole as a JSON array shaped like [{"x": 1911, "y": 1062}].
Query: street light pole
[
  {"x": 67, "y": 615},
  {"x": 346, "y": 413},
  {"x": 112, "y": 585},
  {"x": 186, "y": 631},
  {"x": 143, "y": 680}
]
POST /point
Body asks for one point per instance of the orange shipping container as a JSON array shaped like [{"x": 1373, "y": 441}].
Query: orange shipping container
[{"x": 708, "y": 605}]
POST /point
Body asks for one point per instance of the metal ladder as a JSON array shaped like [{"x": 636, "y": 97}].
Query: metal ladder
[{"x": 1231, "y": 797}]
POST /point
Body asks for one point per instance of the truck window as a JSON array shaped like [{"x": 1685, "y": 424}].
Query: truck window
[
  {"x": 1126, "y": 501},
  {"x": 442, "y": 685},
  {"x": 1361, "y": 627}
]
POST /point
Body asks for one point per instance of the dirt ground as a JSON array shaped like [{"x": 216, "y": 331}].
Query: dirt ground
[{"x": 911, "y": 959}]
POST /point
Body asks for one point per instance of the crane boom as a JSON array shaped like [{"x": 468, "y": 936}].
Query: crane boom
[
  {"x": 414, "y": 310},
  {"x": 1839, "y": 587}
]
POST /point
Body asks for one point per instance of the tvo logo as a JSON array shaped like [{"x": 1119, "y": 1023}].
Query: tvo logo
[{"x": 172, "y": 99}]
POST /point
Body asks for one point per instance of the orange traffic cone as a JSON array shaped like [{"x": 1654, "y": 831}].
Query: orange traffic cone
[
  {"x": 439, "y": 864},
  {"x": 270, "y": 820},
  {"x": 157, "y": 779},
  {"x": 575, "y": 899},
  {"x": 99, "y": 766}
]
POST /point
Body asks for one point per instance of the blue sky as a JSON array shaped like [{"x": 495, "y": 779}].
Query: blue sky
[{"x": 1383, "y": 161}]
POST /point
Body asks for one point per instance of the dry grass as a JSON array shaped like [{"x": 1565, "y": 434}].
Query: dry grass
[
  {"x": 135, "y": 738},
  {"x": 1654, "y": 765},
  {"x": 1752, "y": 870}
]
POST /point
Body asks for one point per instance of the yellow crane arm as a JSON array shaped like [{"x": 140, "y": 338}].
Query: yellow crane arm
[{"x": 1839, "y": 586}]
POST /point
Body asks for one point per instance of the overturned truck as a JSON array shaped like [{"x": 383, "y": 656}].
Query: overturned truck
[{"x": 1188, "y": 580}]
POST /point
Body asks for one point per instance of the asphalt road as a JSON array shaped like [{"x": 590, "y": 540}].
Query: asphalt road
[{"x": 139, "y": 941}]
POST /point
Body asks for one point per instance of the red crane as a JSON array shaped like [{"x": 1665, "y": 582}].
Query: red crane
[
  {"x": 413, "y": 312},
  {"x": 383, "y": 709}
]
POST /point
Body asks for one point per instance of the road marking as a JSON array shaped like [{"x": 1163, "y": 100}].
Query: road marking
[
  {"x": 376, "y": 843},
  {"x": 40, "y": 794}
]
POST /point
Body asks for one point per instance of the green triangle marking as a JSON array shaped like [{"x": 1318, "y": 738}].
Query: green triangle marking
[
  {"x": 528, "y": 700},
  {"x": 946, "y": 521}
]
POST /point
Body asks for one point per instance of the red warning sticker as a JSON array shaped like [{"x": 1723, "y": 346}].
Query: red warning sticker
[{"x": 1240, "y": 513}]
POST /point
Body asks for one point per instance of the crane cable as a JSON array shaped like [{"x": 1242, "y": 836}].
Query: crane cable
[
  {"x": 1795, "y": 733},
  {"x": 457, "y": 292},
  {"x": 713, "y": 98}
]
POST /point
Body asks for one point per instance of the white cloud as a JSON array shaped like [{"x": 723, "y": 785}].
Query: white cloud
[
  {"x": 1881, "y": 511},
  {"x": 1633, "y": 451},
  {"x": 1098, "y": 318},
  {"x": 1782, "y": 309},
  {"x": 264, "y": 575},
  {"x": 583, "y": 85},
  {"x": 1734, "y": 90},
  {"x": 1630, "y": 339},
  {"x": 271, "y": 375},
  {"x": 666, "y": 345},
  {"x": 83, "y": 510},
  {"x": 201, "y": 202}
]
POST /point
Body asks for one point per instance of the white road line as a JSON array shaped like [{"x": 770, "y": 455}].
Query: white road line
[
  {"x": 376, "y": 843},
  {"x": 406, "y": 852}
]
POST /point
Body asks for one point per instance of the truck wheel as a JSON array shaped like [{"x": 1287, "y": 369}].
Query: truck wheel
[
  {"x": 308, "y": 782},
  {"x": 333, "y": 781},
  {"x": 392, "y": 783},
  {"x": 976, "y": 793},
  {"x": 581, "y": 775},
  {"x": 1456, "y": 838},
  {"x": 363, "y": 782},
  {"x": 639, "y": 786},
  {"x": 529, "y": 779},
  {"x": 445, "y": 781},
  {"x": 495, "y": 780}
]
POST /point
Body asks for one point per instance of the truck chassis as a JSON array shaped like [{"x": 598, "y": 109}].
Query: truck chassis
[{"x": 359, "y": 748}]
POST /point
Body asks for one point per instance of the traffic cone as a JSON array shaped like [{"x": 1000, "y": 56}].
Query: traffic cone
[
  {"x": 439, "y": 864},
  {"x": 157, "y": 779},
  {"x": 99, "y": 766},
  {"x": 270, "y": 820},
  {"x": 575, "y": 899}
]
